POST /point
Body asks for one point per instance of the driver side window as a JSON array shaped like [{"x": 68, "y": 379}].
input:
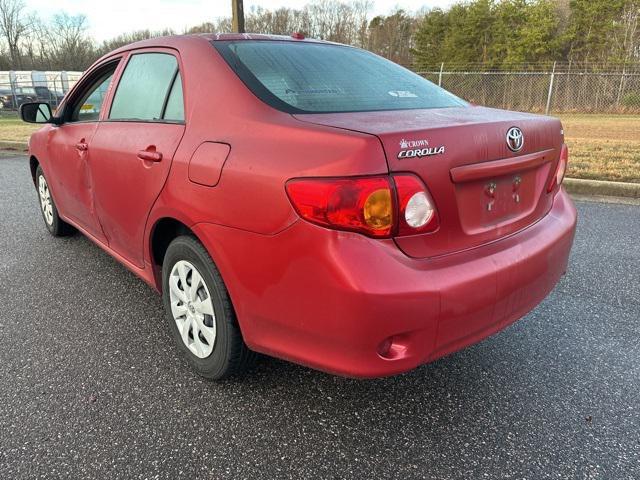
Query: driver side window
[{"x": 89, "y": 104}]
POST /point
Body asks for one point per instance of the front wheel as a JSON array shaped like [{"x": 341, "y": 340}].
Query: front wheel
[
  {"x": 56, "y": 226},
  {"x": 200, "y": 316}
]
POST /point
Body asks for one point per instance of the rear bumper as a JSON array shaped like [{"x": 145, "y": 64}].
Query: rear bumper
[{"x": 330, "y": 299}]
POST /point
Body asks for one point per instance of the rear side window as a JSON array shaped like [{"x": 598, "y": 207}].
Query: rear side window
[
  {"x": 175, "y": 103},
  {"x": 146, "y": 87},
  {"x": 321, "y": 78}
]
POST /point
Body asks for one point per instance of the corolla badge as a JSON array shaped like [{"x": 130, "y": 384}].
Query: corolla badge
[{"x": 418, "y": 148}]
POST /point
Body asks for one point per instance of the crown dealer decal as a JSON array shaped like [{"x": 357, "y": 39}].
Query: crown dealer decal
[{"x": 418, "y": 148}]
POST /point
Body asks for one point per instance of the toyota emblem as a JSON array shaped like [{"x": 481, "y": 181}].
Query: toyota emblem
[{"x": 515, "y": 139}]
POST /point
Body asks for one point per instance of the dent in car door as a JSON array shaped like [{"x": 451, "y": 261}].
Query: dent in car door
[
  {"x": 69, "y": 171},
  {"x": 70, "y": 154},
  {"x": 134, "y": 148}
]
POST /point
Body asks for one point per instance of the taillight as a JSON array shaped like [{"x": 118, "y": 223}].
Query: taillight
[
  {"x": 380, "y": 206},
  {"x": 417, "y": 213},
  {"x": 561, "y": 169},
  {"x": 362, "y": 205}
]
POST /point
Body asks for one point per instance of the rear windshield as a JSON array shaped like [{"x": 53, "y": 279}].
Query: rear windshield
[{"x": 320, "y": 78}]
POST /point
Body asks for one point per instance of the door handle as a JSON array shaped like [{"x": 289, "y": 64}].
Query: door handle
[
  {"x": 150, "y": 156},
  {"x": 82, "y": 146}
]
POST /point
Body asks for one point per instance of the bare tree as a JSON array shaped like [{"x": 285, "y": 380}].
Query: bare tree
[
  {"x": 206, "y": 27},
  {"x": 62, "y": 42},
  {"x": 32, "y": 44},
  {"x": 13, "y": 28},
  {"x": 334, "y": 20},
  {"x": 282, "y": 21},
  {"x": 69, "y": 46},
  {"x": 126, "y": 38},
  {"x": 393, "y": 36}
]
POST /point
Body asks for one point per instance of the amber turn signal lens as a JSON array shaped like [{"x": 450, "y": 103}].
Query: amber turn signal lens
[
  {"x": 378, "y": 209},
  {"x": 358, "y": 204}
]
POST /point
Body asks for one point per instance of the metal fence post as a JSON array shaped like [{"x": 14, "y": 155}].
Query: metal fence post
[
  {"x": 13, "y": 79},
  {"x": 440, "y": 76},
  {"x": 64, "y": 81},
  {"x": 550, "y": 94},
  {"x": 621, "y": 87}
]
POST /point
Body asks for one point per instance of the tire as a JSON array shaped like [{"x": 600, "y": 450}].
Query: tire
[
  {"x": 216, "y": 350},
  {"x": 56, "y": 226}
]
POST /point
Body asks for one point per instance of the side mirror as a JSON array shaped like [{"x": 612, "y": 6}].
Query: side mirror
[{"x": 36, "y": 112}]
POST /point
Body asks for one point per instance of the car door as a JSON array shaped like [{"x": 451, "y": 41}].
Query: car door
[
  {"x": 69, "y": 153},
  {"x": 135, "y": 145}
]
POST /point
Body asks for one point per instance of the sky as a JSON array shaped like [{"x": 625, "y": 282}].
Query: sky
[{"x": 109, "y": 18}]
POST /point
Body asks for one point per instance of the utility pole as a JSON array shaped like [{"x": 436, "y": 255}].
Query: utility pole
[{"x": 237, "y": 21}]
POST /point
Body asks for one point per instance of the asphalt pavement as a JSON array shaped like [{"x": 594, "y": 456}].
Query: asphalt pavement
[{"x": 92, "y": 387}]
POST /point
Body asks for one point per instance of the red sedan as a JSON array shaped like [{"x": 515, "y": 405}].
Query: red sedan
[{"x": 306, "y": 200}]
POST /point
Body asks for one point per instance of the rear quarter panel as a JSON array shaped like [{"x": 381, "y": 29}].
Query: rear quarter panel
[{"x": 267, "y": 149}]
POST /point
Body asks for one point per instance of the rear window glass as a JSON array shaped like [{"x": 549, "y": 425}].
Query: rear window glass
[{"x": 321, "y": 78}]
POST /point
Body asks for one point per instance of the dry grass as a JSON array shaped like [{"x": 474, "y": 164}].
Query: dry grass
[
  {"x": 601, "y": 147},
  {"x": 14, "y": 133}
]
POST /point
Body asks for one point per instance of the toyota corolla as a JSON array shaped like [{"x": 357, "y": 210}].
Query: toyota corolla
[{"x": 306, "y": 200}]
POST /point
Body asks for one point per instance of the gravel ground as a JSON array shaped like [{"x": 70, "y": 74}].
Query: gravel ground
[{"x": 91, "y": 386}]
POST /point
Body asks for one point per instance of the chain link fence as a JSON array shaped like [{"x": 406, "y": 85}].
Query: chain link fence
[
  {"x": 18, "y": 87},
  {"x": 556, "y": 90}
]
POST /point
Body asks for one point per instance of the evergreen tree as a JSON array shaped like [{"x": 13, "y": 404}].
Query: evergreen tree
[
  {"x": 501, "y": 34},
  {"x": 429, "y": 39},
  {"x": 593, "y": 24}
]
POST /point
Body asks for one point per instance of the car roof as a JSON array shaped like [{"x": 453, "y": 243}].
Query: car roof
[
  {"x": 257, "y": 36},
  {"x": 179, "y": 41}
]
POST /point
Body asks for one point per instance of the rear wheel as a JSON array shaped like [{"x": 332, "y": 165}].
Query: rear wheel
[
  {"x": 200, "y": 316},
  {"x": 56, "y": 226}
]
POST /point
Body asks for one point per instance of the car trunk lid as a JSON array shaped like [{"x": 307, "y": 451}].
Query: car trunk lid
[{"x": 482, "y": 189}]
